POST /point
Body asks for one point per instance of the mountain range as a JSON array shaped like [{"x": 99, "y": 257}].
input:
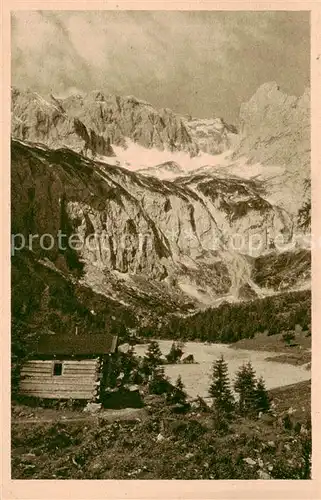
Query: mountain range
[{"x": 187, "y": 212}]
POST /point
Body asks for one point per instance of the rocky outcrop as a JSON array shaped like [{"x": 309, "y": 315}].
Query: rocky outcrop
[
  {"x": 46, "y": 121},
  {"x": 275, "y": 128},
  {"x": 90, "y": 124},
  {"x": 166, "y": 170},
  {"x": 213, "y": 136},
  {"x": 248, "y": 221}
]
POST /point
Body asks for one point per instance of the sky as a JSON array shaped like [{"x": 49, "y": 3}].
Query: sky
[{"x": 200, "y": 63}]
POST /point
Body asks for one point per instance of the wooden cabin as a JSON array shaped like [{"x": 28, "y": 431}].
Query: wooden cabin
[{"x": 68, "y": 366}]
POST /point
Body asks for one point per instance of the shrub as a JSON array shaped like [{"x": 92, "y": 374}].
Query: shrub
[
  {"x": 189, "y": 430},
  {"x": 287, "y": 422},
  {"x": 201, "y": 405},
  {"x": 288, "y": 337}
]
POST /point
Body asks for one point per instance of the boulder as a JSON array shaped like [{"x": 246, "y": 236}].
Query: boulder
[
  {"x": 132, "y": 388},
  {"x": 291, "y": 410},
  {"x": 92, "y": 407},
  {"x": 179, "y": 408},
  {"x": 124, "y": 348},
  {"x": 249, "y": 461},
  {"x": 188, "y": 359},
  {"x": 263, "y": 475}
]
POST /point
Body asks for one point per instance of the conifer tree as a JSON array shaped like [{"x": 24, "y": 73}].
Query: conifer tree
[
  {"x": 159, "y": 383},
  {"x": 178, "y": 395},
  {"x": 152, "y": 358},
  {"x": 130, "y": 366},
  {"x": 201, "y": 405},
  {"x": 245, "y": 386},
  {"x": 223, "y": 400},
  {"x": 175, "y": 352},
  {"x": 153, "y": 354},
  {"x": 262, "y": 400}
]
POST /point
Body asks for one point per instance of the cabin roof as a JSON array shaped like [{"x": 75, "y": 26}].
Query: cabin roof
[{"x": 74, "y": 345}]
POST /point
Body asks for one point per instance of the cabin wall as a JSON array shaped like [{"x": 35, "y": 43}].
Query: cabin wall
[{"x": 79, "y": 379}]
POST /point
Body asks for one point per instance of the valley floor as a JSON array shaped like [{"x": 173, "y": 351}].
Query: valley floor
[
  {"x": 298, "y": 353},
  {"x": 288, "y": 362}
]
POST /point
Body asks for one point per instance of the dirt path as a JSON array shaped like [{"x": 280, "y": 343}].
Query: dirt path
[{"x": 56, "y": 415}]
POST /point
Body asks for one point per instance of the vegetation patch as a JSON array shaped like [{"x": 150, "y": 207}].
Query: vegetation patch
[
  {"x": 258, "y": 435},
  {"x": 232, "y": 322}
]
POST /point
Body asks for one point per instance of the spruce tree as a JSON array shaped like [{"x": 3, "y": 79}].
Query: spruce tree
[
  {"x": 130, "y": 367},
  {"x": 201, "y": 405},
  {"x": 262, "y": 400},
  {"x": 245, "y": 386},
  {"x": 159, "y": 383},
  {"x": 152, "y": 358},
  {"x": 223, "y": 400},
  {"x": 175, "y": 352},
  {"x": 178, "y": 395},
  {"x": 153, "y": 354}
]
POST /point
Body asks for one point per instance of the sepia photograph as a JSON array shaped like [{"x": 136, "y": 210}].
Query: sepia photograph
[{"x": 161, "y": 245}]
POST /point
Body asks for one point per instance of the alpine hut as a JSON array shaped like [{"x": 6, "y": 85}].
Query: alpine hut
[{"x": 68, "y": 366}]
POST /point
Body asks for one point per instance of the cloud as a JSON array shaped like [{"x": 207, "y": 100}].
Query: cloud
[{"x": 202, "y": 63}]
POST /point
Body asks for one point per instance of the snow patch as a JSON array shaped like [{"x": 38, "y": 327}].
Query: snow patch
[{"x": 136, "y": 157}]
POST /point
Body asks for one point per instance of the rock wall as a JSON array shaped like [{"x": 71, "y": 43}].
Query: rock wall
[{"x": 275, "y": 128}]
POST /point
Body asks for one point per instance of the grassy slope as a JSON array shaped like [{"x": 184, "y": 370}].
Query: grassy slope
[
  {"x": 298, "y": 353},
  {"x": 191, "y": 448}
]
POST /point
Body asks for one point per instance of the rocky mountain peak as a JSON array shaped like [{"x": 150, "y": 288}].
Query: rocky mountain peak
[
  {"x": 113, "y": 119},
  {"x": 275, "y": 128},
  {"x": 38, "y": 120}
]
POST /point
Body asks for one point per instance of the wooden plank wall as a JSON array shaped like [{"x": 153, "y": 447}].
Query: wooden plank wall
[{"x": 78, "y": 379}]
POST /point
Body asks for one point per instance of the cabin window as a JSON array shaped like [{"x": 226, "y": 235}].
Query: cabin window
[{"x": 57, "y": 369}]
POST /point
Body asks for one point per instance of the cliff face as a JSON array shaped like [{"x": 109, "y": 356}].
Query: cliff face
[
  {"x": 143, "y": 235},
  {"x": 213, "y": 136},
  {"x": 119, "y": 118},
  {"x": 38, "y": 120},
  {"x": 275, "y": 128},
  {"x": 157, "y": 244},
  {"x": 89, "y": 124}
]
